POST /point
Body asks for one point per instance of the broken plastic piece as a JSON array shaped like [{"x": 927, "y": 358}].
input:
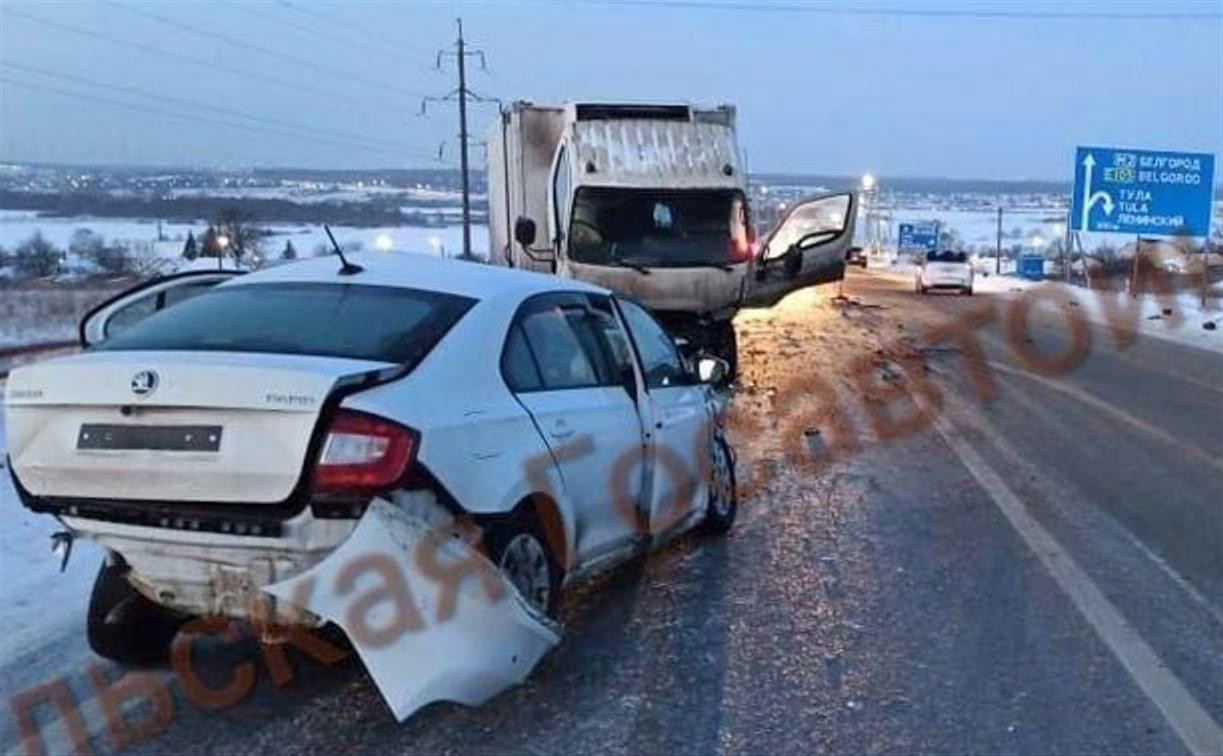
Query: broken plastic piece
[
  {"x": 430, "y": 616},
  {"x": 61, "y": 543}
]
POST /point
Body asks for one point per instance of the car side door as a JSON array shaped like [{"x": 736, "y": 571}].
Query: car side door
[
  {"x": 559, "y": 369},
  {"x": 136, "y": 304},
  {"x": 677, "y": 417},
  {"x": 808, "y": 247}
]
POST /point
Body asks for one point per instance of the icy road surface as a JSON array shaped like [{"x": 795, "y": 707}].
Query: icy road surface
[{"x": 1041, "y": 573}]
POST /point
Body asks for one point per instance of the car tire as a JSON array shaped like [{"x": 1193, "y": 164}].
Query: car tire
[
  {"x": 723, "y": 502},
  {"x": 519, "y": 549},
  {"x": 125, "y": 626},
  {"x": 727, "y": 348}
]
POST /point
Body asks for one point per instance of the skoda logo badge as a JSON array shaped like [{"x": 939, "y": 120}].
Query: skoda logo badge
[{"x": 144, "y": 382}]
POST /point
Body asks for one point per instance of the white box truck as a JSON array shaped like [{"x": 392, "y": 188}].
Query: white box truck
[{"x": 650, "y": 201}]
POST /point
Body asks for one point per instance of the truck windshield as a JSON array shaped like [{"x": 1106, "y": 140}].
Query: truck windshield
[{"x": 655, "y": 227}]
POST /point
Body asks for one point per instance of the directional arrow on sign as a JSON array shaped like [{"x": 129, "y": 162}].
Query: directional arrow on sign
[{"x": 1089, "y": 199}]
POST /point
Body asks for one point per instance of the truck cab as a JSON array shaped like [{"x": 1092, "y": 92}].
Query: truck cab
[{"x": 650, "y": 200}]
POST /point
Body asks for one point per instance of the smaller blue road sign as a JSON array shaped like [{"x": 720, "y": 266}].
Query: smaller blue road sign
[{"x": 918, "y": 236}]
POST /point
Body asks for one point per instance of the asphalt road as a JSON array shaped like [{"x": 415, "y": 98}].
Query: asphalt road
[{"x": 1037, "y": 573}]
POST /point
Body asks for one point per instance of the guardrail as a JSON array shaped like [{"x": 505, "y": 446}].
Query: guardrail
[{"x": 12, "y": 356}]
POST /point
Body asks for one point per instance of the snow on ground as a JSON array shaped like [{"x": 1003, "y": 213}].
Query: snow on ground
[
  {"x": 1150, "y": 321},
  {"x": 18, "y": 225},
  {"x": 35, "y": 598}
]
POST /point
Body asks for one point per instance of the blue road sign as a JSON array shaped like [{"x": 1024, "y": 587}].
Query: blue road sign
[
  {"x": 1142, "y": 191},
  {"x": 918, "y": 236}
]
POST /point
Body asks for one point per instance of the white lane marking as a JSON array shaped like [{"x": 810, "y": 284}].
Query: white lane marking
[
  {"x": 1119, "y": 414},
  {"x": 1200, "y": 734},
  {"x": 1065, "y": 491}
]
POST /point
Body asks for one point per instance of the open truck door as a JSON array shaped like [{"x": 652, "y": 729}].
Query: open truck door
[
  {"x": 807, "y": 247},
  {"x": 136, "y": 304}
]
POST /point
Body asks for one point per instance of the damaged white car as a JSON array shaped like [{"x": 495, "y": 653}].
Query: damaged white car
[{"x": 422, "y": 452}]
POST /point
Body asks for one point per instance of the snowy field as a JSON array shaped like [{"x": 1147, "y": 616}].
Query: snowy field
[
  {"x": 18, "y": 225},
  {"x": 31, "y": 315},
  {"x": 978, "y": 229}
]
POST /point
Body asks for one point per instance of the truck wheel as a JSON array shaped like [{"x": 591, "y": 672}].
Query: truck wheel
[
  {"x": 727, "y": 347},
  {"x": 126, "y": 627}
]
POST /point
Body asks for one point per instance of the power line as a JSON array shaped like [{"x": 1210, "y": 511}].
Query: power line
[
  {"x": 366, "y": 33},
  {"x": 252, "y": 9},
  {"x": 269, "y": 120},
  {"x": 193, "y": 118},
  {"x": 203, "y": 62},
  {"x": 857, "y": 10},
  {"x": 348, "y": 76}
]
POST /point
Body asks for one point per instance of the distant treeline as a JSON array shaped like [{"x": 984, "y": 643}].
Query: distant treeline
[
  {"x": 437, "y": 178},
  {"x": 370, "y": 212},
  {"x": 918, "y": 184}
]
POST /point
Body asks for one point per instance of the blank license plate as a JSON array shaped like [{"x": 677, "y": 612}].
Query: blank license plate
[{"x": 185, "y": 438}]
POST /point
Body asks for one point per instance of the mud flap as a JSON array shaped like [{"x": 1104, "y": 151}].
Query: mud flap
[{"x": 430, "y": 616}]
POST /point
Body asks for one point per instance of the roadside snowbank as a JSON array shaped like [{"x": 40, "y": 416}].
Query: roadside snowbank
[{"x": 35, "y": 599}]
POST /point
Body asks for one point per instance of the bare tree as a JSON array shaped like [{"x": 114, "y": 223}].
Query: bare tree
[
  {"x": 37, "y": 258},
  {"x": 242, "y": 235}
]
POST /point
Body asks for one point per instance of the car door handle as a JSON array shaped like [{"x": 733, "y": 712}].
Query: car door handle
[{"x": 560, "y": 429}]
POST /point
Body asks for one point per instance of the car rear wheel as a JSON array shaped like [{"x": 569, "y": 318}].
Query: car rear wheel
[
  {"x": 126, "y": 627},
  {"x": 723, "y": 500},
  {"x": 520, "y": 551}
]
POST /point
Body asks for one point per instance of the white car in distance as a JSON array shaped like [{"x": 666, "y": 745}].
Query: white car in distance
[
  {"x": 294, "y": 440},
  {"x": 946, "y": 270}
]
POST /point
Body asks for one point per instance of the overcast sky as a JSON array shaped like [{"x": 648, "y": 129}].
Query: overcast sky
[{"x": 962, "y": 89}]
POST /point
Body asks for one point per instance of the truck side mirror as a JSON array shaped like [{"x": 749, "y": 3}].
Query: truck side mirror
[{"x": 524, "y": 231}]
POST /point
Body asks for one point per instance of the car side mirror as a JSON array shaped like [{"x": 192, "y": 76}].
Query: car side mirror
[
  {"x": 712, "y": 369},
  {"x": 524, "y": 231}
]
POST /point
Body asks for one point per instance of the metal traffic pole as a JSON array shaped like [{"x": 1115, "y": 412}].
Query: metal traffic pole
[
  {"x": 998, "y": 248},
  {"x": 1134, "y": 269}
]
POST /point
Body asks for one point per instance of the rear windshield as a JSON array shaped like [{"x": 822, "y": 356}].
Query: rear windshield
[
  {"x": 381, "y": 323},
  {"x": 946, "y": 256},
  {"x": 654, "y": 227}
]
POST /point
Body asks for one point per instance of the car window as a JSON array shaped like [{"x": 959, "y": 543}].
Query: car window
[
  {"x": 518, "y": 364},
  {"x": 184, "y": 292},
  {"x": 581, "y": 320},
  {"x": 130, "y": 314},
  {"x": 562, "y": 360},
  {"x": 660, "y": 360},
  {"x": 357, "y": 321},
  {"x": 616, "y": 340}
]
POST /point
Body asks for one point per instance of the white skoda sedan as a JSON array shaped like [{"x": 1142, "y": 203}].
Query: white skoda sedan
[{"x": 421, "y": 452}]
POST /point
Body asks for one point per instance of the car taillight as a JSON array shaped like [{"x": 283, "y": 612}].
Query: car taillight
[{"x": 362, "y": 452}]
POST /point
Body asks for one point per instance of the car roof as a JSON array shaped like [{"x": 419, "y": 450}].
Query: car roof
[{"x": 419, "y": 271}]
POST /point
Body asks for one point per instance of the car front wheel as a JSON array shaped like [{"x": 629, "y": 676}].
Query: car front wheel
[{"x": 723, "y": 500}]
